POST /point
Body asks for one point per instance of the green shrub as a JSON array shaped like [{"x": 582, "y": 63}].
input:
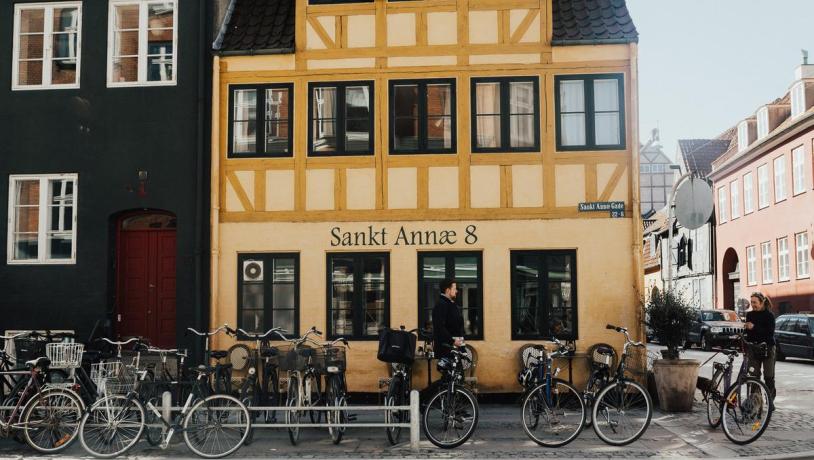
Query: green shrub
[{"x": 670, "y": 318}]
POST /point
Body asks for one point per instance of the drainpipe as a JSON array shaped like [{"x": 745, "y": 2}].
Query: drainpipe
[{"x": 214, "y": 184}]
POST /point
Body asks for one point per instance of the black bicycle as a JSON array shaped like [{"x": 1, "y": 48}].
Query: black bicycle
[
  {"x": 221, "y": 372},
  {"x": 743, "y": 407},
  {"x": 399, "y": 386},
  {"x": 261, "y": 387},
  {"x": 451, "y": 415}
]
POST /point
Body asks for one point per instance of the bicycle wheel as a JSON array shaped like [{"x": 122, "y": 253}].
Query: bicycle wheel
[
  {"x": 112, "y": 426},
  {"x": 51, "y": 420},
  {"x": 292, "y": 417},
  {"x": 450, "y": 419},
  {"x": 553, "y": 417},
  {"x": 217, "y": 426},
  {"x": 747, "y": 411},
  {"x": 622, "y": 412},
  {"x": 249, "y": 398},
  {"x": 271, "y": 381},
  {"x": 714, "y": 406},
  {"x": 314, "y": 382},
  {"x": 337, "y": 396},
  {"x": 155, "y": 429},
  {"x": 394, "y": 398}
]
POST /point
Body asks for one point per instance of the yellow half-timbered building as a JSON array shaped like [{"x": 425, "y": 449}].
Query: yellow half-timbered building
[{"x": 363, "y": 151}]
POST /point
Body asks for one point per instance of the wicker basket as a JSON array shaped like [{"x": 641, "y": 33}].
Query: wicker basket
[
  {"x": 65, "y": 355},
  {"x": 113, "y": 377},
  {"x": 335, "y": 359},
  {"x": 298, "y": 359},
  {"x": 27, "y": 348}
]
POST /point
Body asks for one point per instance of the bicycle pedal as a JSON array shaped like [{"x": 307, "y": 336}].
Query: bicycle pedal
[{"x": 62, "y": 440}]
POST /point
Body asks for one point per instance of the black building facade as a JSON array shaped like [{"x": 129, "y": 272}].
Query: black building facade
[{"x": 104, "y": 179}]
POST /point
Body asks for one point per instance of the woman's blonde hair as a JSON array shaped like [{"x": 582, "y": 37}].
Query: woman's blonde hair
[{"x": 767, "y": 304}]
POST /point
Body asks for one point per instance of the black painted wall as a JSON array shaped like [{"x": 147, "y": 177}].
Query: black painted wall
[{"x": 106, "y": 135}]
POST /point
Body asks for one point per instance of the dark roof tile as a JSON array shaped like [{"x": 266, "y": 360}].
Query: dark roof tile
[
  {"x": 259, "y": 25},
  {"x": 698, "y": 154},
  {"x": 592, "y": 21}
]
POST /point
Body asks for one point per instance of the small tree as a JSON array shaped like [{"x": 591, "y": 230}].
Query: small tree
[{"x": 669, "y": 317}]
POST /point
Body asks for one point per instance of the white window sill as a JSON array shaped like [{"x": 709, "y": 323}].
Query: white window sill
[
  {"x": 42, "y": 87},
  {"x": 134, "y": 84},
  {"x": 44, "y": 262},
  {"x": 780, "y": 200},
  {"x": 751, "y": 284},
  {"x": 804, "y": 277},
  {"x": 785, "y": 280},
  {"x": 798, "y": 193},
  {"x": 768, "y": 282}
]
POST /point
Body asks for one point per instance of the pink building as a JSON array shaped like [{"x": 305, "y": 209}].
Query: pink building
[{"x": 764, "y": 204}]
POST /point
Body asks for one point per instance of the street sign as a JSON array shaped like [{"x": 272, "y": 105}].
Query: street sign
[
  {"x": 693, "y": 203},
  {"x": 614, "y": 208}
]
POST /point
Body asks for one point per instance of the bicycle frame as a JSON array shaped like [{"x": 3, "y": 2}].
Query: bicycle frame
[
  {"x": 175, "y": 426},
  {"x": 25, "y": 393}
]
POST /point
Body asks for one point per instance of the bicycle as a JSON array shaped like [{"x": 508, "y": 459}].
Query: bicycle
[
  {"x": 747, "y": 401},
  {"x": 152, "y": 388},
  {"x": 45, "y": 418},
  {"x": 558, "y": 403},
  {"x": 336, "y": 387},
  {"x": 622, "y": 409},
  {"x": 454, "y": 407},
  {"x": 213, "y": 426},
  {"x": 399, "y": 386},
  {"x": 261, "y": 387},
  {"x": 221, "y": 372}
]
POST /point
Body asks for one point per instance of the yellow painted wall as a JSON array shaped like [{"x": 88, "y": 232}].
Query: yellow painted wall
[{"x": 604, "y": 280}]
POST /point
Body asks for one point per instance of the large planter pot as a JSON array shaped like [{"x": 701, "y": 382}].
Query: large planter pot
[{"x": 675, "y": 382}]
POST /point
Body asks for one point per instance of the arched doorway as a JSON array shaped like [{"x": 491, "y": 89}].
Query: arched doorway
[
  {"x": 145, "y": 276},
  {"x": 730, "y": 274}
]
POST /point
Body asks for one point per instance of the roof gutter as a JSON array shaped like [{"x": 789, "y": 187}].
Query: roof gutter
[
  {"x": 594, "y": 41},
  {"x": 804, "y": 124},
  {"x": 253, "y": 52}
]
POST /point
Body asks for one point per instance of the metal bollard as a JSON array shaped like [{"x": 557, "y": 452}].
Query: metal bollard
[
  {"x": 415, "y": 437},
  {"x": 166, "y": 406}
]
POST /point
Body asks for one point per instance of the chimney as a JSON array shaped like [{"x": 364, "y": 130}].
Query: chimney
[{"x": 805, "y": 70}]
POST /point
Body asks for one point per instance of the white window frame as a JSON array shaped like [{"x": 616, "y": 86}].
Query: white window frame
[
  {"x": 142, "y": 44},
  {"x": 802, "y": 257},
  {"x": 762, "y": 122},
  {"x": 763, "y": 189},
  {"x": 743, "y": 136},
  {"x": 798, "y": 170},
  {"x": 783, "y": 260},
  {"x": 734, "y": 199},
  {"x": 48, "y": 45},
  {"x": 751, "y": 266},
  {"x": 798, "y": 99},
  {"x": 766, "y": 262},
  {"x": 748, "y": 193},
  {"x": 42, "y": 228},
  {"x": 723, "y": 207},
  {"x": 780, "y": 184}
]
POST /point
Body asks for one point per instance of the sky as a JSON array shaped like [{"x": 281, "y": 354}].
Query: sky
[{"x": 704, "y": 65}]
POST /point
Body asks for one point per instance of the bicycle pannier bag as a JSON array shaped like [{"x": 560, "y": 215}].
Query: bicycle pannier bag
[{"x": 396, "y": 346}]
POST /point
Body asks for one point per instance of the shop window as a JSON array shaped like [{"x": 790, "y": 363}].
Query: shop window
[
  {"x": 341, "y": 118},
  {"x": 358, "y": 295},
  {"x": 47, "y": 42},
  {"x": 261, "y": 121},
  {"x": 42, "y": 221},
  {"x": 142, "y": 43},
  {"x": 467, "y": 270},
  {"x": 268, "y": 292},
  {"x": 506, "y": 114},
  {"x": 590, "y": 112},
  {"x": 422, "y": 116},
  {"x": 544, "y": 295}
]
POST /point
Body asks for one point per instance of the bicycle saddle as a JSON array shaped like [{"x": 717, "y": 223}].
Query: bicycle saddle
[
  {"x": 269, "y": 352},
  {"x": 39, "y": 362},
  {"x": 219, "y": 354}
]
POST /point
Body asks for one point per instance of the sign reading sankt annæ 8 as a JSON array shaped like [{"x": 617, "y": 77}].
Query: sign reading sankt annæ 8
[{"x": 403, "y": 236}]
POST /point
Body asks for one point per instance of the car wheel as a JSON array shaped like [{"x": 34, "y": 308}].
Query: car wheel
[
  {"x": 688, "y": 344},
  {"x": 779, "y": 355},
  {"x": 705, "y": 345}
]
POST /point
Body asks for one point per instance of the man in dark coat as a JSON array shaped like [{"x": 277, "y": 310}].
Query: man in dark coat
[{"x": 447, "y": 320}]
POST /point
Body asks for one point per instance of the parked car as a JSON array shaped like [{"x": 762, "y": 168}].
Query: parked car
[
  {"x": 793, "y": 334},
  {"x": 714, "y": 328}
]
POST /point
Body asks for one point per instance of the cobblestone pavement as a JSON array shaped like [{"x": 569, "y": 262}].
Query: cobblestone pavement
[{"x": 499, "y": 435}]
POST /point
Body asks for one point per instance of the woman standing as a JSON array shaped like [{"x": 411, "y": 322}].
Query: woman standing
[{"x": 760, "y": 328}]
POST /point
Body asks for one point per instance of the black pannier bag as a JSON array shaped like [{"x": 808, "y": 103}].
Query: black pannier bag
[{"x": 396, "y": 346}]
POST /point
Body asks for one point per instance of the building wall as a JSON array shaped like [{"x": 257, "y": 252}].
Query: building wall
[
  {"x": 784, "y": 219},
  {"x": 517, "y": 200},
  {"x": 694, "y": 284},
  {"x": 106, "y": 136}
]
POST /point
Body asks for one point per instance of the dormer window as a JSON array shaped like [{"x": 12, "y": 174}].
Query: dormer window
[
  {"x": 762, "y": 122},
  {"x": 743, "y": 136},
  {"x": 798, "y": 99}
]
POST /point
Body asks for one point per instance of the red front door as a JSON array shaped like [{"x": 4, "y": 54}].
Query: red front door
[{"x": 146, "y": 284}]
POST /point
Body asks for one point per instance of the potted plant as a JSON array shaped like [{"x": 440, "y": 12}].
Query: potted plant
[{"x": 670, "y": 317}]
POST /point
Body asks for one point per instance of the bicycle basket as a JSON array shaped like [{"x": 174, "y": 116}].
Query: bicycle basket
[
  {"x": 531, "y": 356},
  {"x": 113, "y": 377},
  {"x": 296, "y": 359},
  {"x": 335, "y": 359},
  {"x": 602, "y": 356},
  {"x": 27, "y": 348},
  {"x": 65, "y": 355}
]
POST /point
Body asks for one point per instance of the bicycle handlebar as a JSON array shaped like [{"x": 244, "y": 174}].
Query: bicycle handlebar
[
  {"x": 260, "y": 336},
  {"x": 15, "y": 336},
  {"x": 120, "y": 344},
  {"x": 224, "y": 328},
  {"x": 623, "y": 330}
]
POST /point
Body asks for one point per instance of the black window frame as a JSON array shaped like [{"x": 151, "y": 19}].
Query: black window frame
[
  {"x": 341, "y": 92},
  {"x": 358, "y": 305},
  {"x": 590, "y": 112},
  {"x": 449, "y": 269},
  {"x": 422, "y": 115},
  {"x": 260, "y": 144},
  {"x": 543, "y": 254},
  {"x": 505, "y": 114},
  {"x": 268, "y": 282}
]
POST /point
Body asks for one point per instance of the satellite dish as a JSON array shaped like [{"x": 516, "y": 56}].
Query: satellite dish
[{"x": 693, "y": 203}]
